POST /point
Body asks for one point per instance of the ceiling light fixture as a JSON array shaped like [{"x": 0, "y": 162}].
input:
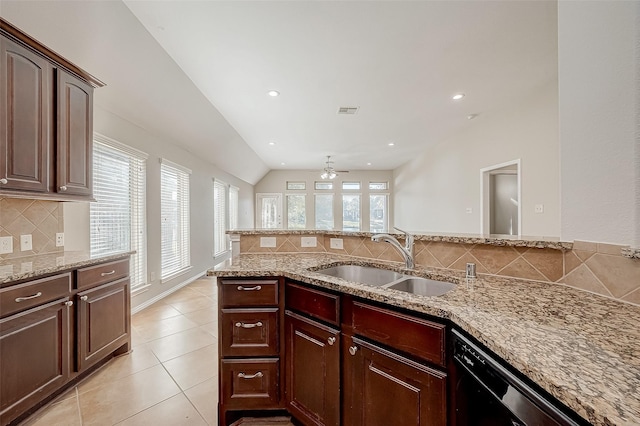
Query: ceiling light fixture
[
  {"x": 457, "y": 96},
  {"x": 273, "y": 93},
  {"x": 328, "y": 172},
  {"x": 368, "y": 164},
  {"x": 391, "y": 144},
  {"x": 471, "y": 116},
  {"x": 272, "y": 143}
]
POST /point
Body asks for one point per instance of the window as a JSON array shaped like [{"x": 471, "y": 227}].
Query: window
[
  {"x": 174, "y": 216},
  {"x": 351, "y": 212},
  {"x": 324, "y": 185},
  {"x": 379, "y": 186},
  {"x": 324, "y": 211},
  {"x": 350, "y": 185},
  {"x": 378, "y": 212},
  {"x": 234, "y": 194},
  {"x": 117, "y": 218},
  {"x": 296, "y": 212},
  {"x": 292, "y": 186},
  {"x": 219, "y": 218}
]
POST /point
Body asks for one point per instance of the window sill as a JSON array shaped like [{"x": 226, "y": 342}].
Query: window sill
[{"x": 174, "y": 274}]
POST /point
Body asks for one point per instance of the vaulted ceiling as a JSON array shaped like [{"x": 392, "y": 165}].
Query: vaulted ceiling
[{"x": 198, "y": 72}]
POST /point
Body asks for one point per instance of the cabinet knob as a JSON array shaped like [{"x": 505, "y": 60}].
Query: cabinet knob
[
  {"x": 250, "y": 376},
  {"x": 68, "y": 303},
  {"x": 63, "y": 188},
  {"x": 331, "y": 341},
  {"x": 353, "y": 350},
  {"x": 84, "y": 298},
  {"x": 4, "y": 181}
]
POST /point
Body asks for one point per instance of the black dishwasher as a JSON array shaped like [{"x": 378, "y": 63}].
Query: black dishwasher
[{"x": 489, "y": 394}]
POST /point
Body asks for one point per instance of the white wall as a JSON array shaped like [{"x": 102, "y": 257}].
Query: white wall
[
  {"x": 276, "y": 182},
  {"x": 433, "y": 191},
  {"x": 599, "y": 107},
  {"x": 201, "y": 201}
]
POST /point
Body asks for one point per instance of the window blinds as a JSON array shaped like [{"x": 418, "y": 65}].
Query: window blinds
[
  {"x": 174, "y": 213},
  {"x": 219, "y": 218},
  {"x": 234, "y": 193},
  {"x": 117, "y": 218}
]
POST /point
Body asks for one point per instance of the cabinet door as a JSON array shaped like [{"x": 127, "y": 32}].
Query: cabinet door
[
  {"x": 312, "y": 371},
  {"x": 75, "y": 135},
  {"x": 34, "y": 357},
  {"x": 103, "y": 321},
  {"x": 25, "y": 120},
  {"x": 383, "y": 388}
]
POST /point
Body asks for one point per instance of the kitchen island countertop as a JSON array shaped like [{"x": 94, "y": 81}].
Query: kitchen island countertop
[{"x": 582, "y": 348}]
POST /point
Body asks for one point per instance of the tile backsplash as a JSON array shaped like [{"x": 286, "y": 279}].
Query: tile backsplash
[
  {"x": 595, "y": 267},
  {"x": 41, "y": 219}
]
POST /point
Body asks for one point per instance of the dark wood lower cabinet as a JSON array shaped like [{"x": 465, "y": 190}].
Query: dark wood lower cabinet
[
  {"x": 312, "y": 371},
  {"x": 34, "y": 356},
  {"x": 103, "y": 322},
  {"x": 383, "y": 388}
]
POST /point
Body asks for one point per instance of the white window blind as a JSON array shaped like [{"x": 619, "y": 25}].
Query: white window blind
[
  {"x": 219, "y": 218},
  {"x": 117, "y": 218},
  {"x": 174, "y": 212},
  {"x": 234, "y": 194}
]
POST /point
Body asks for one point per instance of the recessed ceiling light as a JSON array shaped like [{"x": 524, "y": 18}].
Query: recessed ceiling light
[
  {"x": 272, "y": 143},
  {"x": 471, "y": 116},
  {"x": 282, "y": 164},
  {"x": 457, "y": 96},
  {"x": 391, "y": 144},
  {"x": 368, "y": 164},
  {"x": 273, "y": 93}
]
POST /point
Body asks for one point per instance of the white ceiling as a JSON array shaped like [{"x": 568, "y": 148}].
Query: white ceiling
[{"x": 399, "y": 61}]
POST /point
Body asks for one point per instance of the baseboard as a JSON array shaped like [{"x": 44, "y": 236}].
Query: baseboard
[{"x": 164, "y": 294}]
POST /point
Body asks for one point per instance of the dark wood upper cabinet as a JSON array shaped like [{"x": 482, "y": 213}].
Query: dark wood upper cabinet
[
  {"x": 46, "y": 121},
  {"x": 25, "y": 129},
  {"x": 75, "y": 136}
]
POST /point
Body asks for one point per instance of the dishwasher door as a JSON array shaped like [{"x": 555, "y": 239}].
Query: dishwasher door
[{"x": 487, "y": 393}]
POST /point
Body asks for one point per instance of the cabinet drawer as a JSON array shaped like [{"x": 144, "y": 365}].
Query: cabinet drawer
[
  {"x": 315, "y": 303},
  {"x": 416, "y": 336},
  {"x": 250, "y": 383},
  {"x": 250, "y": 332},
  {"x": 20, "y": 297},
  {"x": 103, "y": 273},
  {"x": 249, "y": 292}
]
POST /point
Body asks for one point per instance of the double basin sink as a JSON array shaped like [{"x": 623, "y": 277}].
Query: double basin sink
[{"x": 384, "y": 278}]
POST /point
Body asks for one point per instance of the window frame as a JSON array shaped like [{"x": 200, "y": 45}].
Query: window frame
[{"x": 220, "y": 240}]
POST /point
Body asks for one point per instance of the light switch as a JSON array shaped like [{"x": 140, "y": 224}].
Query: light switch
[
  {"x": 26, "y": 242},
  {"x": 336, "y": 243},
  {"x": 308, "y": 242}
]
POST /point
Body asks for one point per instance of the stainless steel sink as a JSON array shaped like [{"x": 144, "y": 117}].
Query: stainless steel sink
[
  {"x": 422, "y": 286},
  {"x": 363, "y": 274}
]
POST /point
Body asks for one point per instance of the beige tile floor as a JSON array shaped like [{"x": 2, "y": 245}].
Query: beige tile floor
[{"x": 170, "y": 377}]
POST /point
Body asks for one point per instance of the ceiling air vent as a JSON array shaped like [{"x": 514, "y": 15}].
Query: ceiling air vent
[{"x": 348, "y": 110}]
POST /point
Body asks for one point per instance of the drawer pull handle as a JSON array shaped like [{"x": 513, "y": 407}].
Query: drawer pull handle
[
  {"x": 104, "y": 274},
  {"x": 84, "y": 298},
  {"x": 33, "y": 296},
  {"x": 243, "y": 325},
  {"x": 353, "y": 350},
  {"x": 68, "y": 303},
  {"x": 250, "y": 376},
  {"x": 256, "y": 288},
  {"x": 4, "y": 181},
  {"x": 331, "y": 341}
]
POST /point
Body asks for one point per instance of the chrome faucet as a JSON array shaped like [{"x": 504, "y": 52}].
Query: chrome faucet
[{"x": 406, "y": 250}]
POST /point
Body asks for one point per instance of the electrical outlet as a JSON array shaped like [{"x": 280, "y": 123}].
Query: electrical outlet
[
  {"x": 60, "y": 239},
  {"x": 6, "y": 245},
  {"x": 539, "y": 208},
  {"x": 268, "y": 242},
  {"x": 308, "y": 242},
  {"x": 336, "y": 243},
  {"x": 26, "y": 242}
]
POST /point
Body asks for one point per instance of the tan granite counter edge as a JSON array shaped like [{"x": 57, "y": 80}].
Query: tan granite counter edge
[
  {"x": 19, "y": 269},
  {"x": 561, "y": 338},
  {"x": 631, "y": 253},
  {"x": 500, "y": 241}
]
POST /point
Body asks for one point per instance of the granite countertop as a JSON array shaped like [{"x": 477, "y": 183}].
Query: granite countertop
[
  {"x": 22, "y": 268},
  {"x": 582, "y": 348},
  {"x": 492, "y": 240}
]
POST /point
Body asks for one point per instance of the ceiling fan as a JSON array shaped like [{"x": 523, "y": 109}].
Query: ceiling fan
[{"x": 329, "y": 172}]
